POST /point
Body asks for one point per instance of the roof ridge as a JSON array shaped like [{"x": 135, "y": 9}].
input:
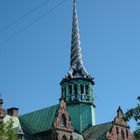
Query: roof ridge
[
  {"x": 102, "y": 124},
  {"x": 39, "y": 110}
]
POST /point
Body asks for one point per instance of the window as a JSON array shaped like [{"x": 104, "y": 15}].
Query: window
[
  {"x": 75, "y": 90},
  {"x": 127, "y": 133},
  {"x": 64, "y": 138},
  {"x": 87, "y": 89},
  {"x": 122, "y": 134},
  {"x": 70, "y": 91},
  {"x": 56, "y": 136},
  {"x": 82, "y": 92},
  {"x": 82, "y": 89},
  {"x": 65, "y": 91},
  {"x": 71, "y": 137},
  {"x": 117, "y": 130},
  {"x": 63, "y": 120}
]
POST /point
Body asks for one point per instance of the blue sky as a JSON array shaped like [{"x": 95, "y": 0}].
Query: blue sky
[{"x": 35, "y": 52}]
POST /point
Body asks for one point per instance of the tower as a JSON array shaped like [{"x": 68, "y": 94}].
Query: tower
[{"x": 77, "y": 86}]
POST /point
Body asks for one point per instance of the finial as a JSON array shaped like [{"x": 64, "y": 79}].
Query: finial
[
  {"x": 119, "y": 119},
  {"x": 119, "y": 111},
  {"x": 76, "y": 64}
]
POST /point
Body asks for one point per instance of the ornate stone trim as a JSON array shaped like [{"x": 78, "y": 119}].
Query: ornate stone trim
[
  {"x": 120, "y": 129},
  {"x": 119, "y": 120},
  {"x": 62, "y": 112}
]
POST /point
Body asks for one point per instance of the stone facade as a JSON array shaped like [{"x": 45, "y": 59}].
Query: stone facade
[{"x": 62, "y": 128}]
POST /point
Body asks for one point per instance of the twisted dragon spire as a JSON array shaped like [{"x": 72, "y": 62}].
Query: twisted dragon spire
[{"x": 76, "y": 64}]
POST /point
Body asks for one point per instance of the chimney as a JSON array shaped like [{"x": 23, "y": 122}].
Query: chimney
[{"x": 12, "y": 112}]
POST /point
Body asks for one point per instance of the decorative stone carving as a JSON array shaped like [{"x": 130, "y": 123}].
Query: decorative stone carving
[
  {"x": 63, "y": 114},
  {"x": 119, "y": 120},
  {"x": 112, "y": 135},
  {"x": 120, "y": 129}
]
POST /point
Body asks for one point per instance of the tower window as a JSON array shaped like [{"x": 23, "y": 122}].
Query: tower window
[
  {"x": 75, "y": 90},
  {"x": 82, "y": 89},
  {"x": 70, "y": 89},
  {"x": 70, "y": 92},
  {"x": 87, "y": 87},
  {"x": 82, "y": 92}
]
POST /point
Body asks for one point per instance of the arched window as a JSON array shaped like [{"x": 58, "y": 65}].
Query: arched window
[
  {"x": 122, "y": 135},
  {"x": 117, "y": 131},
  {"x": 64, "y": 138},
  {"x": 126, "y": 133},
  {"x": 63, "y": 120}
]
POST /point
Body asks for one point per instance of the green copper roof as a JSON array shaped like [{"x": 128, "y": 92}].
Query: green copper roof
[
  {"x": 98, "y": 132},
  {"x": 38, "y": 121}
]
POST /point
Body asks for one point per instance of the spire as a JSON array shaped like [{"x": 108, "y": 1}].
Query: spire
[
  {"x": 76, "y": 56},
  {"x": 76, "y": 64}
]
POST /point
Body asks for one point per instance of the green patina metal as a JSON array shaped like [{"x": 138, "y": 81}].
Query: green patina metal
[
  {"x": 38, "y": 121},
  {"x": 78, "y": 93},
  {"x": 98, "y": 132},
  {"x": 82, "y": 116},
  {"x": 78, "y": 89}
]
